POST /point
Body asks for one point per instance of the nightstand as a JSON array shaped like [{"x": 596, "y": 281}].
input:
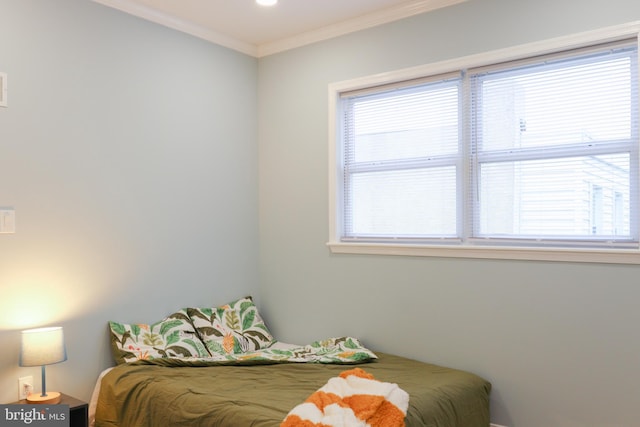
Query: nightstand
[{"x": 78, "y": 410}]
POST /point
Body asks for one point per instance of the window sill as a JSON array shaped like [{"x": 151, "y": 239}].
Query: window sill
[{"x": 608, "y": 256}]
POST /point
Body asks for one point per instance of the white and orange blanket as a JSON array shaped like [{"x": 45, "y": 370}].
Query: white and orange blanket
[{"x": 354, "y": 399}]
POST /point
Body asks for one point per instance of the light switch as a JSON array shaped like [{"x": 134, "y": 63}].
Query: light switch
[
  {"x": 3, "y": 90},
  {"x": 7, "y": 220}
]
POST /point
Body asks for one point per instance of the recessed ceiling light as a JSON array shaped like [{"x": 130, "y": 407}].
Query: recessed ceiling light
[{"x": 266, "y": 2}]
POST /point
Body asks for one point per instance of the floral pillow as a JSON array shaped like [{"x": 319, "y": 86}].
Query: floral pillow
[
  {"x": 232, "y": 328},
  {"x": 174, "y": 336}
]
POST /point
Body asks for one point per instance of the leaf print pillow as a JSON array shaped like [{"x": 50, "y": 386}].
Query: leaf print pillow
[
  {"x": 173, "y": 336},
  {"x": 231, "y": 328}
]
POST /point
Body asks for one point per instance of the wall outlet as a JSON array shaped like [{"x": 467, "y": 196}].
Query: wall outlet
[{"x": 25, "y": 386}]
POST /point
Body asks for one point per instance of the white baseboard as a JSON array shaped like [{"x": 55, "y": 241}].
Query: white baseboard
[{"x": 495, "y": 425}]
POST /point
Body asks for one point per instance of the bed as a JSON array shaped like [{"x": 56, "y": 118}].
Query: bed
[{"x": 259, "y": 384}]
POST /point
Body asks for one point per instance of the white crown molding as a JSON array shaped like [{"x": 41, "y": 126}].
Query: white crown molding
[
  {"x": 370, "y": 20},
  {"x": 181, "y": 25},
  {"x": 363, "y": 22}
]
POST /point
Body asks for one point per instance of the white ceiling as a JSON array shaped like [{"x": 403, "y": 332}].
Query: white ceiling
[{"x": 258, "y": 30}]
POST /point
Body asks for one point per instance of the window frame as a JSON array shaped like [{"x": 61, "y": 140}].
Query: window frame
[{"x": 538, "y": 253}]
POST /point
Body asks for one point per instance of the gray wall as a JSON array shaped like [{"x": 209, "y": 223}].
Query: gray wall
[
  {"x": 129, "y": 152},
  {"x": 559, "y": 341}
]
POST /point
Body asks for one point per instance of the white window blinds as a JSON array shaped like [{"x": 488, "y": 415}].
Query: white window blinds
[
  {"x": 399, "y": 143},
  {"x": 542, "y": 151},
  {"x": 555, "y": 147}
]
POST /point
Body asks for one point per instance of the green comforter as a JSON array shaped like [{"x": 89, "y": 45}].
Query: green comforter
[{"x": 172, "y": 394}]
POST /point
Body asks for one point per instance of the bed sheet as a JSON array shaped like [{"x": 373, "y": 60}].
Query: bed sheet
[
  {"x": 96, "y": 389},
  {"x": 261, "y": 396}
]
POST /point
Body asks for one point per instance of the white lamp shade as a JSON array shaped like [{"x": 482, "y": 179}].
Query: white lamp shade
[{"x": 43, "y": 346}]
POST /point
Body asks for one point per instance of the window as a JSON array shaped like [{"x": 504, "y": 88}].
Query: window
[{"x": 537, "y": 152}]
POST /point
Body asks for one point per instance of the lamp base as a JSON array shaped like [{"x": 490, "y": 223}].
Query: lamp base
[{"x": 52, "y": 397}]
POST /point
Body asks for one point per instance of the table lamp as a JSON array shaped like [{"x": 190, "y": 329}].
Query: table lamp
[{"x": 41, "y": 347}]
